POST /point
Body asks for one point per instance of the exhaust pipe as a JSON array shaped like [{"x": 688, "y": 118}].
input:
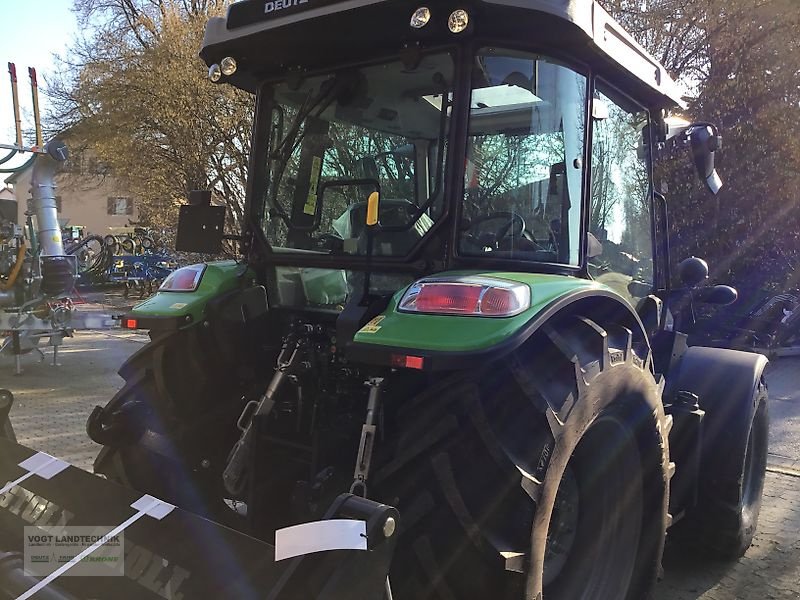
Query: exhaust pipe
[{"x": 58, "y": 268}]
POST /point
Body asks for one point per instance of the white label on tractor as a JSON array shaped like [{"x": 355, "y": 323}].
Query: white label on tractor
[
  {"x": 178, "y": 305},
  {"x": 320, "y": 536}
]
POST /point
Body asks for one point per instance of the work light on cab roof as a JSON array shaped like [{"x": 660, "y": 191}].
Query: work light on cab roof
[
  {"x": 228, "y": 66},
  {"x": 214, "y": 73},
  {"x": 458, "y": 21},
  {"x": 420, "y": 17}
]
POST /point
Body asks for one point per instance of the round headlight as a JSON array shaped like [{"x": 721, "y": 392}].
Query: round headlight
[
  {"x": 458, "y": 20},
  {"x": 228, "y": 66},
  {"x": 420, "y": 17},
  {"x": 214, "y": 73}
]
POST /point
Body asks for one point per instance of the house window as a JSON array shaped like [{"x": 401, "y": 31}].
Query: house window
[{"x": 118, "y": 205}]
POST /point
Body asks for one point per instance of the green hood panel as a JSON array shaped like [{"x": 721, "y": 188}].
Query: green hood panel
[
  {"x": 218, "y": 278},
  {"x": 447, "y": 333}
]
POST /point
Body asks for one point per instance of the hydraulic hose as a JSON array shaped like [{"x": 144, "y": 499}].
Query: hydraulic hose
[
  {"x": 12, "y": 277},
  {"x": 8, "y": 157},
  {"x": 22, "y": 167}
]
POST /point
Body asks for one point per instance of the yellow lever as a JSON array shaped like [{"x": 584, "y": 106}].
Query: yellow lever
[{"x": 372, "y": 208}]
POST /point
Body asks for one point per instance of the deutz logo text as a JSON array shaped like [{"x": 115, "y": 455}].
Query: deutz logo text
[{"x": 274, "y": 5}]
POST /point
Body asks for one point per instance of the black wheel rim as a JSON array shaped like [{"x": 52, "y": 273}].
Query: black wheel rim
[{"x": 594, "y": 533}]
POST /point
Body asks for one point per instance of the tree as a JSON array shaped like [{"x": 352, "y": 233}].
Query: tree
[
  {"x": 136, "y": 95},
  {"x": 741, "y": 60}
]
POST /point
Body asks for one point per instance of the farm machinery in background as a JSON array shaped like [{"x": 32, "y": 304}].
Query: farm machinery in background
[
  {"x": 761, "y": 321},
  {"x": 132, "y": 258},
  {"x": 37, "y": 274}
]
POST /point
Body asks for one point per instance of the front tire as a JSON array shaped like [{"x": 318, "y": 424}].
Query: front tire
[
  {"x": 543, "y": 478},
  {"x": 731, "y": 485}
]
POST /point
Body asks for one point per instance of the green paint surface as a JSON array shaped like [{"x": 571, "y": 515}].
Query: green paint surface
[
  {"x": 464, "y": 333},
  {"x": 218, "y": 278}
]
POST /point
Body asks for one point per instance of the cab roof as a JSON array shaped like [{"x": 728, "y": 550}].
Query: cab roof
[{"x": 266, "y": 36}]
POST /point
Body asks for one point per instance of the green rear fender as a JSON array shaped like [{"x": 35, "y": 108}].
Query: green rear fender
[
  {"x": 446, "y": 341},
  {"x": 190, "y": 307}
]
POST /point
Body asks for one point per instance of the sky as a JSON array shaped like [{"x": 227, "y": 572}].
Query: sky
[{"x": 32, "y": 31}]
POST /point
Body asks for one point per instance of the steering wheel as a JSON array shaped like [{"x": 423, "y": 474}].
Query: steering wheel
[{"x": 514, "y": 226}]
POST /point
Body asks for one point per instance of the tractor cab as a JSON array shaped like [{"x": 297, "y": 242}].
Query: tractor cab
[{"x": 496, "y": 137}]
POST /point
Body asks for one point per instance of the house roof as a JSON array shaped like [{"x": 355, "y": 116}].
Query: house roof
[{"x": 12, "y": 179}]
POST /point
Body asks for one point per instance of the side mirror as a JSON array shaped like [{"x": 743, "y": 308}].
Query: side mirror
[
  {"x": 704, "y": 142},
  {"x": 693, "y": 271},
  {"x": 200, "y": 198},
  {"x": 200, "y": 225}
]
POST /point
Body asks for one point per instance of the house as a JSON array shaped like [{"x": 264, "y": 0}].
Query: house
[
  {"x": 84, "y": 197},
  {"x": 8, "y": 205}
]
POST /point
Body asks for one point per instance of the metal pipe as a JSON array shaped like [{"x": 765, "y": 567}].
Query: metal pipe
[
  {"x": 12, "y": 70},
  {"x": 37, "y": 122},
  {"x": 44, "y": 198},
  {"x": 15, "y": 347}
]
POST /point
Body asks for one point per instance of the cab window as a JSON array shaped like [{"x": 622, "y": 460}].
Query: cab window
[{"x": 620, "y": 243}]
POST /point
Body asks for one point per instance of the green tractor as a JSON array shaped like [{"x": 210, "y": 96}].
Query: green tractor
[{"x": 454, "y": 302}]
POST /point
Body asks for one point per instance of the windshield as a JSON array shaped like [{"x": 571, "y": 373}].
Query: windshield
[
  {"x": 524, "y": 166},
  {"x": 336, "y": 138}
]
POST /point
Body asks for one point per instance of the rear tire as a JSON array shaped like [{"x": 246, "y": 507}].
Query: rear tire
[
  {"x": 565, "y": 443},
  {"x": 168, "y": 430}
]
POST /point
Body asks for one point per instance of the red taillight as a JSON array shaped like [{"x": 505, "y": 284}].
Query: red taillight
[
  {"x": 185, "y": 279},
  {"x": 477, "y": 296},
  {"x": 498, "y": 301},
  {"x": 130, "y": 324},
  {"x": 408, "y": 362},
  {"x": 448, "y": 297}
]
